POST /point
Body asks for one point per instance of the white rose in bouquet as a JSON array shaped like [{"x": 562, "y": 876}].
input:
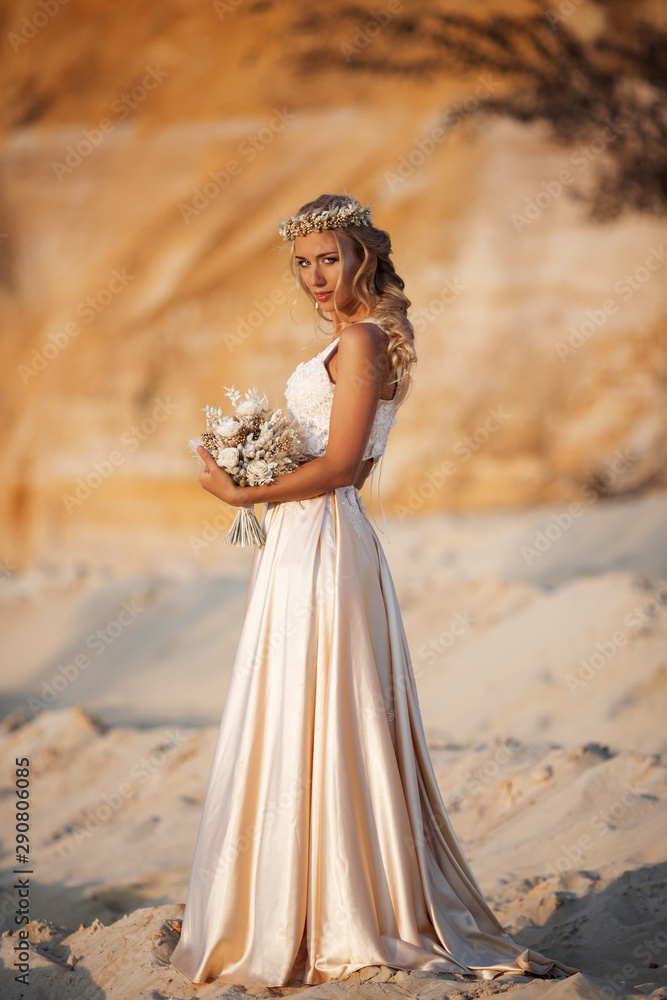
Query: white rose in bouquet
[
  {"x": 226, "y": 426},
  {"x": 259, "y": 472},
  {"x": 228, "y": 458},
  {"x": 249, "y": 408}
]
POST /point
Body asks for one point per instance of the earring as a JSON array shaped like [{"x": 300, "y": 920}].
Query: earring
[{"x": 317, "y": 306}]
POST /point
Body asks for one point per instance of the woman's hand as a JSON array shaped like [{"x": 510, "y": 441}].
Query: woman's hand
[{"x": 217, "y": 481}]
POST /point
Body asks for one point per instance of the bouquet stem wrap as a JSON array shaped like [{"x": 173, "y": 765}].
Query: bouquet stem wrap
[{"x": 245, "y": 529}]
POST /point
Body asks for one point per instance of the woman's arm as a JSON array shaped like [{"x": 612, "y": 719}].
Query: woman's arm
[{"x": 358, "y": 385}]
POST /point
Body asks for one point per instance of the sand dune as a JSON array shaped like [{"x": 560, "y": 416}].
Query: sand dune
[
  {"x": 569, "y": 646},
  {"x": 556, "y": 789},
  {"x": 116, "y": 810}
]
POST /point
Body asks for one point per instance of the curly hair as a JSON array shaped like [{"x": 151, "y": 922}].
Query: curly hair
[{"x": 376, "y": 285}]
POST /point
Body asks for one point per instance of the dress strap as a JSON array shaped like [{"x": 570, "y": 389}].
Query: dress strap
[{"x": 328, "y": 349}]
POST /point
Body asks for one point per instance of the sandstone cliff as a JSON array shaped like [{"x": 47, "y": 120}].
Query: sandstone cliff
[{"x": 147, "y": 155}]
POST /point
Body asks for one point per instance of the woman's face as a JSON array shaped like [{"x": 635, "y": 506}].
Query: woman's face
[{"x": 320, "y": 265}]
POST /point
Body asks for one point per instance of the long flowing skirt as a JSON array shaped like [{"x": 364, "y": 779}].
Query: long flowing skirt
[{"x": 324, "y": 844}]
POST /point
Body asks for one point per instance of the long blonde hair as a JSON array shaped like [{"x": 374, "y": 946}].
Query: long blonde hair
[{"x": 376, "y": 285}]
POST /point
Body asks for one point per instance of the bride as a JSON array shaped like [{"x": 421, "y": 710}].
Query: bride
[{"x": 324, "y": 844}]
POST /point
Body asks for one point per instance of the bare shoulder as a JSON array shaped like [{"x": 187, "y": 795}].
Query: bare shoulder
[
  {"x": 363, "y": 339},
  {"x": 362, "y": 349}
]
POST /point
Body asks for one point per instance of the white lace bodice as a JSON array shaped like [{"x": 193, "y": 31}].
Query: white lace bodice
[{"x": 309, "y": 394}]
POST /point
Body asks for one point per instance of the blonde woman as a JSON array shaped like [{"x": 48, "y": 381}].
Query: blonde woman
[{"x": 324, "y": 844}]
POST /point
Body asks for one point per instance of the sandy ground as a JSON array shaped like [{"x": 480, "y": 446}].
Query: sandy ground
[{"x": 542, "y": 683}]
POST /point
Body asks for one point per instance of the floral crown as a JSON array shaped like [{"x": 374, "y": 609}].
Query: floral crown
[{"x": 321, "y": 219}]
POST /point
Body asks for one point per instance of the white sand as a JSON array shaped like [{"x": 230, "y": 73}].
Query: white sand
[{"x": 557, "y": 789}]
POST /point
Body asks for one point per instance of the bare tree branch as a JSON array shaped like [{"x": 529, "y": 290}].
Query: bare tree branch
[{"x": 577, "y": 87}]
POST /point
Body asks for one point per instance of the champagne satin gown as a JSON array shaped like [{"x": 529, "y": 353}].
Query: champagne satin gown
[{"x": 324, "y": 844}]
